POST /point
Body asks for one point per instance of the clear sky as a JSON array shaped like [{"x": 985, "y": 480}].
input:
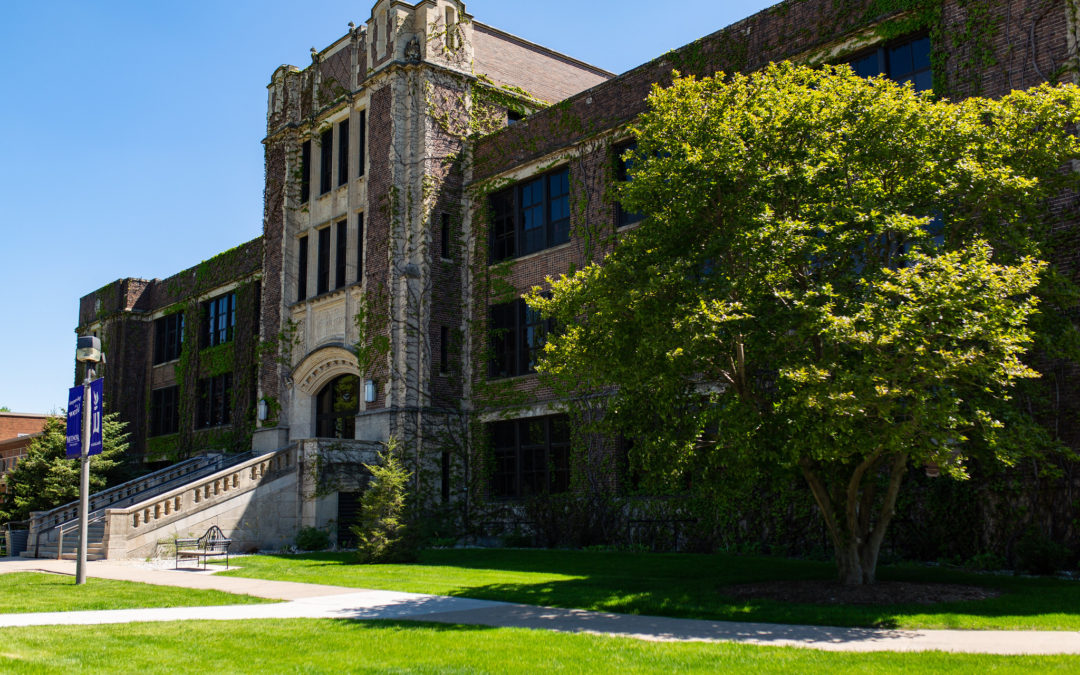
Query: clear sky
[{"x": 131, "y": 136}]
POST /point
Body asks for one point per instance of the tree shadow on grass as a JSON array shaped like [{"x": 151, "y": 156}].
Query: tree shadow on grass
[{"x": 693, "y": 586}]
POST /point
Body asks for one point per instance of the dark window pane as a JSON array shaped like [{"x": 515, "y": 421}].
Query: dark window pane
[
  {"x": 214, "y": 401},
  {"x": 168, "y": 337},
  {"x": 920, "y": 54},
  {"x": 444, "y": 236},
  {"x": 531, "y": 216},
  {"x": 362, "y": 143},
  {"x": 867, "y": 66},
  {"x": 326, "y": 161},
  {"x": 164, "y": 417},
  {"x": 444, "y": 349},
  {"x": 343, "y": 153},
  {"x": 559, "y": 209},
  {"x": 924, "y": 81},
  {"x": 503, "y": 331},
  {"x": 341, "y": 253},
  {"x": 502, "y": 227},
  {"x": 305, "y": 171},
  {"x": 529, "y": 456},
  {"x": 302, "y": 269},
  {"x": 322, "y": 284},
  {"x": 900, "y": 60}
]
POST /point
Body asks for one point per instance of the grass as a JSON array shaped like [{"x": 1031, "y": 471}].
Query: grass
[
  {"x": 328, "y": 646},
  {"x": 22, "y": 592},
  {"x": 680, "y": 585}
]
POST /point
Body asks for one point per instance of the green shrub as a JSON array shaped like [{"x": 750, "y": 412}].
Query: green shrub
[
  {"x": 985, "y": 562},
  {"x": 383, "y": 535},
  {"x": 312, "y": 539},
  {"x": 1038, "y": 554}
]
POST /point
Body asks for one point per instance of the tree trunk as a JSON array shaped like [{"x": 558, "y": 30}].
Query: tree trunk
[{"x": 856, "y": 535}]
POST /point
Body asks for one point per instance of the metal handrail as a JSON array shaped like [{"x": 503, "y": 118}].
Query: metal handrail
[{"x": 92, "y": 519}]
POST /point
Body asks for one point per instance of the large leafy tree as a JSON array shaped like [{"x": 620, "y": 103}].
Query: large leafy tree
[
  {"x": 836, "y": 274},
  {"x": 44, "y": 478}
]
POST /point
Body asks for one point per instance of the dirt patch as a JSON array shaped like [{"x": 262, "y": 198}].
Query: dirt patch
[{"x": 881, "y": 593}]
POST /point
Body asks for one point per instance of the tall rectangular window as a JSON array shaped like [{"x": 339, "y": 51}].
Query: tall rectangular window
[
  {"x": 530, "y": 456},
  {"x": 518, "y": 334},
  {"x": 361, "y": 142},
  {"x": 168, "y": 337},
  {"x": 305, "y": 172},
  {"x": 343, "y": 153},
  {"x": 341, "y": 252},
  {"x": 531, "y": 216},
  {"x": 302, "y": 269},
  {"x": 444, "y": 237},
  {"x": 219, "y": 320},
  {"x": 322, "y": 270},
  {"x": 445, "y": 482},
  {"x": 164, "y": 411},
  {"x": 326, "y": 161},
  {"x": 444, "y": 349},
  {"x": 215, "y": 401},
  {"x": 359, "y": 247}
]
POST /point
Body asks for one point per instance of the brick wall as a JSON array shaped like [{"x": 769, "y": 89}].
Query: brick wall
[{"x": 13, "y": 425}]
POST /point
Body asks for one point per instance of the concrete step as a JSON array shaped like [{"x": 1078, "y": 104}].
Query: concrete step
[{"x": 89, "y": 556}]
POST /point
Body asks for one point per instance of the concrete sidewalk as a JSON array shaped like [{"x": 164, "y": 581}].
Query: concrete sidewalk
[{"x": 332, "y": 602}]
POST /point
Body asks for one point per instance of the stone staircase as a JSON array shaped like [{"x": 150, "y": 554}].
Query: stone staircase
[
  {"x": 55, "y": 534},
  {"x": 95, "y": 547}
]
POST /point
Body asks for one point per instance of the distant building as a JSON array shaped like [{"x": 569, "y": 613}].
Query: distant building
[{"x": 17, "y": 430}]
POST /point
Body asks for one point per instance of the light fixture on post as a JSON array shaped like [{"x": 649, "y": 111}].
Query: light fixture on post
[
  {"x": 87, "y": 351},
  {"x": 370, "y": 391}
]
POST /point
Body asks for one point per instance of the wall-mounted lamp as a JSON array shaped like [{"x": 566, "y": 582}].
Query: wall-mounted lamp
[
  {"x": 263, "y": 411},
  {"x": 370, "y": 391}
]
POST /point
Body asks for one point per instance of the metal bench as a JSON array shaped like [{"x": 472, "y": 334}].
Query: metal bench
[{"x": 213, "y": 544}]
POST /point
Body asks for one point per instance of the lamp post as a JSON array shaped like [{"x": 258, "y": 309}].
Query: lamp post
[{"x": 88, "y": 351}]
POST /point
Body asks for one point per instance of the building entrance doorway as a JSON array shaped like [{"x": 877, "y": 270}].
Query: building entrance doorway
[{"x": 336, "y": 407}]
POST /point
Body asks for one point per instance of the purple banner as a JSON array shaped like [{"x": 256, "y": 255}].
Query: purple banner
[
  {"x": 97, "y": 388},
  {"x": 74, "y": 422}
]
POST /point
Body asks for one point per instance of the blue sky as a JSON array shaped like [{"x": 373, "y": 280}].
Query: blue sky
[{"x": 131, "y": 136}]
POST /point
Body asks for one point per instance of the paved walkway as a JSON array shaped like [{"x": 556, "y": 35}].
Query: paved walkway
[{"x": 334, "y": 602}]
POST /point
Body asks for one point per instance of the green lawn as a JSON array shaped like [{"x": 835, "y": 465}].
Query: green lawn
[
  {"x": 327, "y": 646},
  {"x": 680, "y": 585},
  {"x": 33, "y": 592}
]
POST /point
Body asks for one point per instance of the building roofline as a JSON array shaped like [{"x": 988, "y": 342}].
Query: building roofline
[
  {"x": 539, "y": 47},
  {"x": 28, "y": 415}
]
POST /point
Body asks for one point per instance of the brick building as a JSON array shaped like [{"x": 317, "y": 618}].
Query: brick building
[
  {"x": 17, "y": 430},
  {"x": 424, "y": 170}
]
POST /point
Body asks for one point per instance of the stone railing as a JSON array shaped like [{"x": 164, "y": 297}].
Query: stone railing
[
  {"x": 124, "y": 525},
  {"x": 42, "y": 521}
]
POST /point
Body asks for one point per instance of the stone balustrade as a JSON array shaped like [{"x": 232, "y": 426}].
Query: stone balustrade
[
  {"x": 43, "y": 521},
  {"x": 134, "y": 527}
]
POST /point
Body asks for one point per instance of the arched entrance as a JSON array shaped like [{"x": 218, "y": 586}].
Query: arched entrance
[{"x": 336, "y": 406}]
